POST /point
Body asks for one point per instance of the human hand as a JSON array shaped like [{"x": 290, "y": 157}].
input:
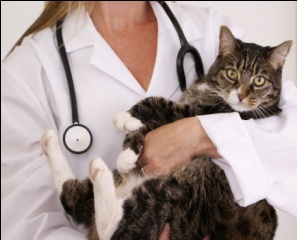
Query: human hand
[
  {"x": 165, "y": 233},
  {"x": 171, "y": 146}
]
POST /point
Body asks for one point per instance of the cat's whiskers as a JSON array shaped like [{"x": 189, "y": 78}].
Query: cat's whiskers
[
  {"x": 258, "y": 113},
  {"x": 263, "y": 112},
  {"x": 218, "y": 103}
]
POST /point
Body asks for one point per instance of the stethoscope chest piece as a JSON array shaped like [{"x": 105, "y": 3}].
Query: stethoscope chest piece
[{"x": 77, "y": 138}]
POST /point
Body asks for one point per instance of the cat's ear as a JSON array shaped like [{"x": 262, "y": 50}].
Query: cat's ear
[
  {"x": 228, "y": 43},
  {"x": 278, "y": 54}
]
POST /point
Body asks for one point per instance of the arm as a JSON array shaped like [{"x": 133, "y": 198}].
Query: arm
[
  {"x": 259, "y": 156},
  {"x": 30, "y": 204},
  {"x": 177, "y": 143}
]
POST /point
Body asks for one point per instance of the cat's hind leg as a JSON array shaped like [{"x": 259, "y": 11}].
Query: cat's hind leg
[
  {"x": 59, "y": 166},
  {"x": 108, "y": 209}
]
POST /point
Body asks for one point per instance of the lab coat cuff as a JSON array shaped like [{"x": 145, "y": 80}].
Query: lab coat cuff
[{"x": 240, "y": 161}]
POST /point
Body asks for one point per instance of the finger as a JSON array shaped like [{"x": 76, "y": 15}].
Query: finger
[
  {"x": 144, "y": 171},
  {"x": 141, "y": 161},
  {"x": 149, "y": 169},
  {"x": 165, "y": 233}
]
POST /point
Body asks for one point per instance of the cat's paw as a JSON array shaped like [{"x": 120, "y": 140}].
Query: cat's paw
[
  {"x": 123, "y": 121},
  {"x": 49, "y": 142},
  {"x": 126, "y": 161},
  {"x": 96, "y": 166},
  {"x": 99, "y": 173}
]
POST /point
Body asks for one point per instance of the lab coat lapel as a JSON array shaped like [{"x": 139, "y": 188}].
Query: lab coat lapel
[
  {"x": 164, "y": 81},
  {"x": 84, "y": 34},
  {"x": 106, "y": 60}
]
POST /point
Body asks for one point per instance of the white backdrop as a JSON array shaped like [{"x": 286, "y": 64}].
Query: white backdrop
[{"x": 266, "y": 23}]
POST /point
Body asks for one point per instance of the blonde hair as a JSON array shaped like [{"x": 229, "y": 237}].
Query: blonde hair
[{"x": 52, "y": 12}]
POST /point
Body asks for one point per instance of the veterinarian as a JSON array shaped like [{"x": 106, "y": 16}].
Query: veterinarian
[{"x": 119, "y": 54}]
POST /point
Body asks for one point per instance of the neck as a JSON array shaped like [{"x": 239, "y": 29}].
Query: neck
[{"x": 121, "y": 16}]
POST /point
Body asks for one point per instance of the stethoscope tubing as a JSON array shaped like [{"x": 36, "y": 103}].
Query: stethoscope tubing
[
  {"x": 77, "y": 138},
  {"x": 185, "y": 48},
  {"x": 63, "y": 54}
]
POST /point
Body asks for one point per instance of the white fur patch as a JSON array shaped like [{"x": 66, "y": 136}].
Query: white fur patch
[
  {"x": 235, "y": 103},
  {"x": 98, "y": 168},
  {"x": 123, "y": 121},
  {"x": 132, "y": 181},
  {"x": 59, "y": 166},
  {"x": 233, "y": 97},
  {"x": 126, "y": 160},
  {"x": 133, "y": 124},
  {"x": 203, "y": 87}
]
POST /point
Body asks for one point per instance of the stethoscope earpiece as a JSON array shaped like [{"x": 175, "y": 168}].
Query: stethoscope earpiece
[
  {"x": 77, "y": 138},
  {"x": 185, "y": 49}
]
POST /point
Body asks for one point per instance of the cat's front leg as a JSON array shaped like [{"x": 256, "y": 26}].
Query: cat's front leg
[
  {"x": 147, "y": 110},
  {"x": 125, "y": 122},
  {"x": 108, "y": 209},
  {"x": 132, "y": 147},
  {"x": 128, "y": 157},
  {"x": 59, "y": 166},
  {"x": 151, "y": 109},
  {"x": 143, "y": 117}
]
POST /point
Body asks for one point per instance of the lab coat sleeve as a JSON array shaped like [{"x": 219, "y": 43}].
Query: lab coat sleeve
[
  {"x": 259, "y": 156},
  {"x": 29, "y": 202}
]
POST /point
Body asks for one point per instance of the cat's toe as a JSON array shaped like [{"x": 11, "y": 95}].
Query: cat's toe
[
  {"x": 120, "y": 120},
  {"x": 97, "y": 167},
  {"x": 100, "y": 175},
  {"x": 126, "y": 161},
  {"x": 133, "y": 124},
  {"x": 123, "y": 121},
  {"x": 48, "y": 141}
]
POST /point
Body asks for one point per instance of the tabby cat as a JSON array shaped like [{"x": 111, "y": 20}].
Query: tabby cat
[{"x": 195, "y": 200}]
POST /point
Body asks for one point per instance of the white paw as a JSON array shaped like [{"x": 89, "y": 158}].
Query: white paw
[
  {"x": 126, "y": 161},
  {"x": 49, "y": 142},
  {"x": 123, "y": 121},
  {"x": 99, "y": 172}
]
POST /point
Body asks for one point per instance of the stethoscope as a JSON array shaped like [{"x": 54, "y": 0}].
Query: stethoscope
[{"x": 77, "y": 138}]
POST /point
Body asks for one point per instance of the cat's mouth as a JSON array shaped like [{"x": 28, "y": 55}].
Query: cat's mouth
[{"x": 241, "y": 106}]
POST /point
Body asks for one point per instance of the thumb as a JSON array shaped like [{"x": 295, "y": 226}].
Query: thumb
[{"x": 165, "y": 232}]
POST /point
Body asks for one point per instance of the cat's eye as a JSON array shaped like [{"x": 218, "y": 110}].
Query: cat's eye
[
  {"x": 232, "y": 74},
  {"x": 259, "y": 81}
]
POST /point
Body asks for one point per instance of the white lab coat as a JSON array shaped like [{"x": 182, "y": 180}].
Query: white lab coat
[{"x": 260, "y": 157}]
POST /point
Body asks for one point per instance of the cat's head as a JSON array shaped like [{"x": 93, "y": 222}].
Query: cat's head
[{"x": 246, "y": 75}]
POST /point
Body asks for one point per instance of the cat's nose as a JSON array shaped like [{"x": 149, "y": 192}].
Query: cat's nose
[{"x": 241, "y": 96}]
